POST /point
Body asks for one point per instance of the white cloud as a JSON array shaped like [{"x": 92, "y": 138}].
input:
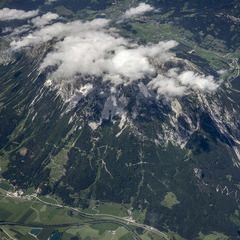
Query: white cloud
[
  {"x": 176, "y": 82},
  {"x": 7, "y": 14},
  {"x": 20, "y": 30},
  {"x": 197, "y": 82},
  {"x": 45, "y": 19},
  {"x": 141, "y": 9},
  {"x": 50, "y": 1},
  {"x": 93, "y": 50},
  {"x": 100, "y": 53},
  {"x": 58, "y": 31},
  {"x": 7, "y": 30},
  {"x": 38, "y": 22},
  {"x": 166, "y": 86}
]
